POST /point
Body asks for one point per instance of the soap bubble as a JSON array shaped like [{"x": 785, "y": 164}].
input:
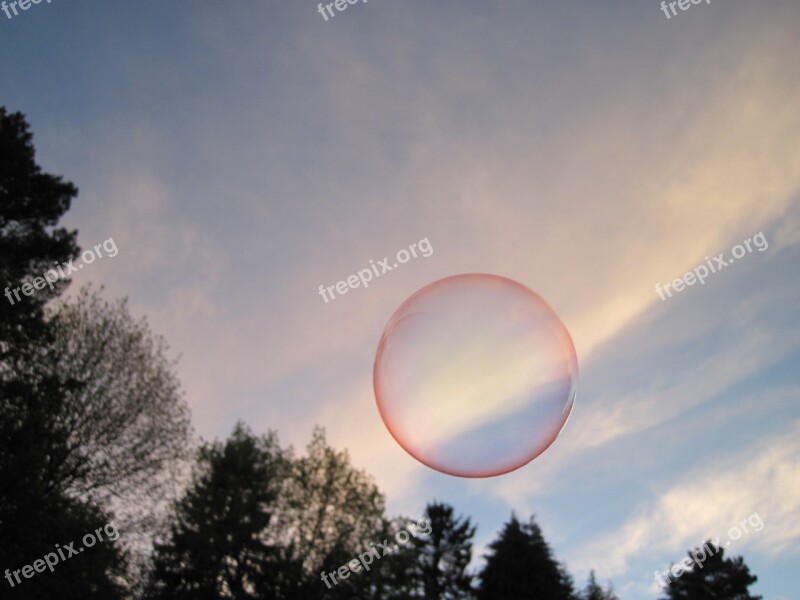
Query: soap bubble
[{"x": 475, "y": 375}]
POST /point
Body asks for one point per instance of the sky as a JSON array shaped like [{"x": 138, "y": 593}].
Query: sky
[{"x": 241, "y": 154}]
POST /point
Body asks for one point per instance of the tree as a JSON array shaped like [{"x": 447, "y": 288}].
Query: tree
[
  {"x": 118, "y": 426},
  {"x": 714, "y": 578},
  {"x": 98, "y": 572},
  {"x": 327, "y": 509},
  {"x": 31, "y": 203},
  {"x": 397, "y": 576},
  {"x": 35, "y": 512},
  {"x": 443, "y": 556},
  {"x": 128, "y": 427},
  {"x": 593, "y": 591},
  {"x": 216, "y": 546},
  {"x": 258, "y": 523},
  {"x": 521, "y": 566}
]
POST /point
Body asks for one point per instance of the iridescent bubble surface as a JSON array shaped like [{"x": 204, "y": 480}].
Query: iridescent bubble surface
[{"x": 475, "y": 375}]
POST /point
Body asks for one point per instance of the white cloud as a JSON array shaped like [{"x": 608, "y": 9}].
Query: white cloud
[{"x": 763, "y": 478}]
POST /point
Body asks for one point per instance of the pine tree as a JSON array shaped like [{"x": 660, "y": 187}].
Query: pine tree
[
  {"x": 593, "y": 591},
  {"x": 216, "y": 546},
  {"x": 717, "y": 578},
  {"x": 521, "y": 566},
  {"x": 35, "y": 510},
  {"x": 397, "y": 576},
  {"x": 444, "y": 554},
  {"x": 31, "y": 204}
]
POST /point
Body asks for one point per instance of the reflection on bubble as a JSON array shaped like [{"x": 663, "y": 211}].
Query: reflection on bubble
[{"x": 475, "y": 375}]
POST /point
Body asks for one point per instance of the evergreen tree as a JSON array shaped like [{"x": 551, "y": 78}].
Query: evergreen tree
[
  {"x": 397, "y": 576},
  {"x": 521, "y": 566},
  {"x": 444, "y": 554},
  {"x": 97, "y": 572},
  {"x": 216, "y": 547},
  {"x": 718, "y": 578},
  {"x": 593, "y": 591},
  {"x": 427, "y": 559},
  {"x": 36, "y": 511},
  {"x": 31, "y": 204}
]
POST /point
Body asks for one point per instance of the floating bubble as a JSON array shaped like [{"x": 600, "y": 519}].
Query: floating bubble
[{"x": 475, "y": 375}]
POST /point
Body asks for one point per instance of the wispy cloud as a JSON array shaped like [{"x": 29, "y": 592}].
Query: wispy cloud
[{"x": 763, "y": 478}]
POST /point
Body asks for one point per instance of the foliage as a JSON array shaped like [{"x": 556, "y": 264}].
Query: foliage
[
  {"x": 326, "y": 506},
  {"x": 445, "y": 554},
  {"x": 216, "y": 546},
  {"x": 593, "y": 591},
  {"x": 521, "y": 566},
  {"x": 718, "y": 578},
  {"x": 35, "y": 510}
]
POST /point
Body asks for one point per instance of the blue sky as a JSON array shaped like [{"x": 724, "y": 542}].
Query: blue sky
[{"x": 243, "y": 153}]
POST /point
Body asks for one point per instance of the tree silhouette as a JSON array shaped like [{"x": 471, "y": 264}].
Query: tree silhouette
[
  {"x": 36, "y": 512},
  {"x": 444, "y": 554},
  {"x": 216, "y": 546},
  {"x": 521, "y": 566},
  {"x": 259, "y": 523},
  {"x": 126, "y": 418},
  {"x": 127, "y": 424},
  {"x": 593, "y": 591},
  {"x": 712, "y": 577},
  {"x": 98, "y": 572},
  {"x": 31, "y": 204},
  {"x": 397, "y": 576},
  {"x": 326, "y": 509}
]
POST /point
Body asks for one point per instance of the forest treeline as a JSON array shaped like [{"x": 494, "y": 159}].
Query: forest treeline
[{"x": 95, "y": 436}]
